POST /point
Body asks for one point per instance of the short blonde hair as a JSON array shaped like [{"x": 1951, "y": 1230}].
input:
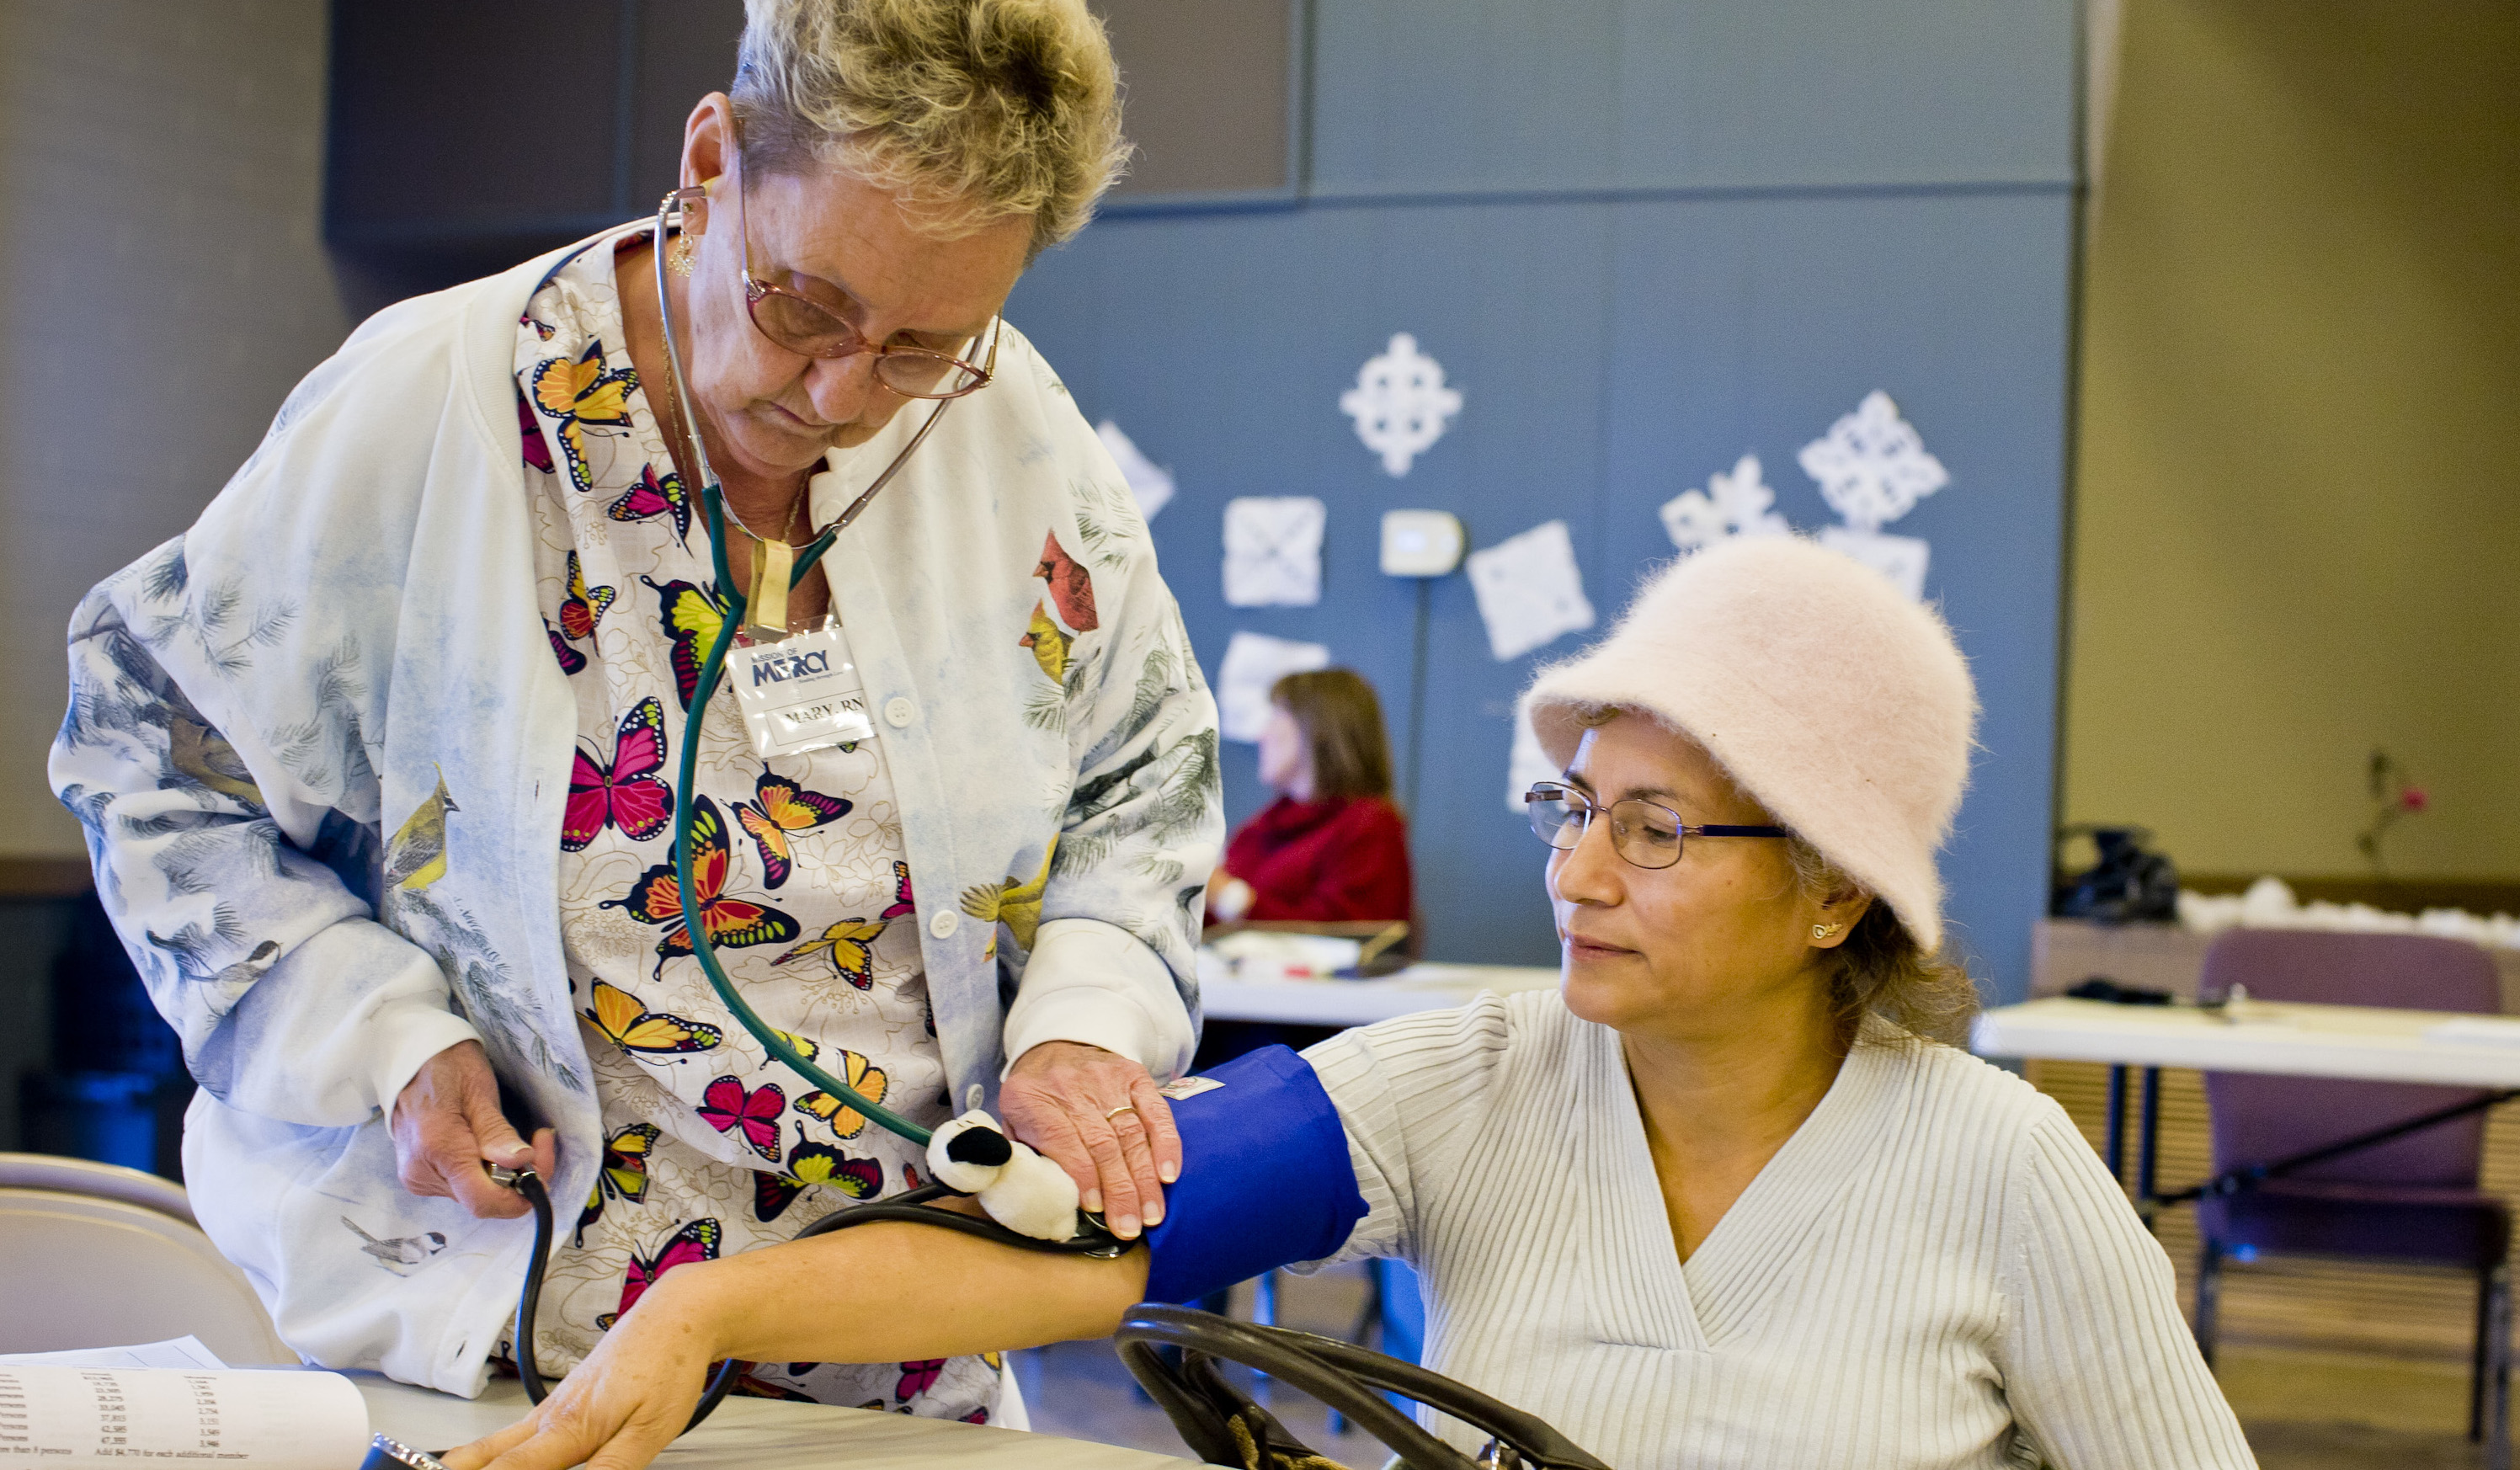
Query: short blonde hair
[{"x": 968, "y": 110}]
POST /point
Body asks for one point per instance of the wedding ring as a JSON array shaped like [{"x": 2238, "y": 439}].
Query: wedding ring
[{"x": 1117, "y": 1112}]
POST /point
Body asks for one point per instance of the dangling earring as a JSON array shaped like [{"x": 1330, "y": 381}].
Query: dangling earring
[
  {"x": 1824, "y": 931},
  {"x": 682, "y": 256}
]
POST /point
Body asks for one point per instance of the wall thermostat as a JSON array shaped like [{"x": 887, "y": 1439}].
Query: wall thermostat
[{"x": 1421, "y": 543}]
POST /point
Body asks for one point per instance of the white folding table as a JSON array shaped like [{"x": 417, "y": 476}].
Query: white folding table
[
  {"x": 2367, "y": 1042},
  {"x": 1362, "y": 1002},
  {"x": 760, "y": 1434}
]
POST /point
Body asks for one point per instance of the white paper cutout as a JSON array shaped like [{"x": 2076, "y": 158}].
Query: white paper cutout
[
  {"x": 1739, "y": 504},
  {"x": 1253, "y": 661},
  {"x": 1528, "y": 764},
  {"x": 1901, "y": 558},
  {"x": 1273, "y": 550},
  {"x": 1529, "y": 590},
  {"x": 1871, "y": 465},
  {"x": 1148, "y": 481},
  {"x": 1400, "y": 403}
]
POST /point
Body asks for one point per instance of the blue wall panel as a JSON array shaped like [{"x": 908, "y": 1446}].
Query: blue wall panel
[
  {"x": 1615, "y": 342},
  {"x": 1521, "y": 95}
]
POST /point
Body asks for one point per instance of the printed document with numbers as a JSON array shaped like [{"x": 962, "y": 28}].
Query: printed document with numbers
[{"x": 80, "y": 1419}]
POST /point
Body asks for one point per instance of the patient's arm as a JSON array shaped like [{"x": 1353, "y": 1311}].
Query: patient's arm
[{"x": 884, "y": 1292}]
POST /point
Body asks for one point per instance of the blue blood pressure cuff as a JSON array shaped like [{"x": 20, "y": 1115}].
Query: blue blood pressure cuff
[{"x": 1265, "y": 1181}]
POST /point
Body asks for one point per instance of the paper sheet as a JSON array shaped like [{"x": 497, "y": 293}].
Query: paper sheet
[
  {"x": 1253, "y": 661},
  {"x": 1901, "y": 558},
  {"x": 1739, "y": 504},
  {"x": 1529, "y": 590},
  {"x": 1871, "y": 465},
  {"x": 1526, "y": 765},
  {"x": 1400, "y": 403},
  {"x": 77, "y": 1419},
  {"x": 185, "y": 1352},
  {"x": 1273, "y": 550},
  {"x": 1148, "y": 481}
]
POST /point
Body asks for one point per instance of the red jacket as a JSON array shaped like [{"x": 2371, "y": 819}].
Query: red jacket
[{"x": 1339, "y": 858}]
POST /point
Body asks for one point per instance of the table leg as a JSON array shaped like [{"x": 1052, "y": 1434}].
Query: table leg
[
  {"x": 2116, "y": 1151},
  {"x": 2147, "y": 1144}
]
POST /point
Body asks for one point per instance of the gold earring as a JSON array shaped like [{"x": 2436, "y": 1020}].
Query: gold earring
[
  {"x": 1824, "y": 931},
  {"x": 682, "y": 256}
]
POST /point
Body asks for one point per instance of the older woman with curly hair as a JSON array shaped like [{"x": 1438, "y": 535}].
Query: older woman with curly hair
[
  {"x": 379, "y": 761},
  {"x": 1729, "y": 1196}
]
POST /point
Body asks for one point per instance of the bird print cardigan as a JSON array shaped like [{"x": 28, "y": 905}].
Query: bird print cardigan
[{"x": 322, "y": 748}]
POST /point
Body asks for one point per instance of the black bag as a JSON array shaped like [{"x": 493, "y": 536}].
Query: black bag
[{"x": 2128, "y": 885}]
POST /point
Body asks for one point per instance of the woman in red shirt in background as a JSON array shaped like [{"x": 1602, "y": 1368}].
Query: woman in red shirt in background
[{"x": 1331, "y": 847}]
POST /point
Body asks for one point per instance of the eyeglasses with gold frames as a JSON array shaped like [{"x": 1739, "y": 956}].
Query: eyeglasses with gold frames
[
  {"x": 796, "y": 322},
  {"x": 1644, "y": 834}
]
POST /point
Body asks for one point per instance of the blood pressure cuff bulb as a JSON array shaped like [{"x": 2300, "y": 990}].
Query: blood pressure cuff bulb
[{"x": 1265, "y": 1180}]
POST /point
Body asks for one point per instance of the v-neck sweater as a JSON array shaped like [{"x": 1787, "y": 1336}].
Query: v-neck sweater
[{"x": 1933, "y": 1271}]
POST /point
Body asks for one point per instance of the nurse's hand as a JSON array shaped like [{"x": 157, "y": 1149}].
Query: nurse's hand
[
  {"x": 446, "y": 1125},
  {"x": 621, "y": 1407},
  {"x": 1099, "y": 1115}
]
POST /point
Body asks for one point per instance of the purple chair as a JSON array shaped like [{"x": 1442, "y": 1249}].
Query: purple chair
[{"x": 2412, "y": 1199}]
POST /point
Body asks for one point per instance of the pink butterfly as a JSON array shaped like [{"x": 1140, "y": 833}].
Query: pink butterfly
[
  {"x": 727, "y": 1106},
  {"x": 571, "y": 660},
  {"x": 537, "y": 448},
  {"x": 627, "y": 793},
  {"x": 694, "y": 1241},
  {"x": 901, "y": 901},
  {"x": 654, "y": 495},
  {"x": 917, "y": 1377}
]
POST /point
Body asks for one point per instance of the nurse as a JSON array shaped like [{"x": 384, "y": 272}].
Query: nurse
[
  {"x": 377, "y": 761},
  {"x": 1729, "y": 1197}
]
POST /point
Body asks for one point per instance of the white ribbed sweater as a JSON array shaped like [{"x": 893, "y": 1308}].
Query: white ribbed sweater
[{"x": 1934, "y": 1270}]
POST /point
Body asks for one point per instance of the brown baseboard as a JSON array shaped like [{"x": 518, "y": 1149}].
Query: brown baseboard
[
  {"x": 44, "y": 877},
  {"x": 2395, "y": 895}
]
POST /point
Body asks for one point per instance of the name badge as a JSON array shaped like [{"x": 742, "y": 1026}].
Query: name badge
[{"x": 800, "y": 694}]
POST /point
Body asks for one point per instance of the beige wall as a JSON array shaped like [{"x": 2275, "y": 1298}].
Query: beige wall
[
  {"x": 161, "y": 286},
  {"x": 2297, "y": 532}
]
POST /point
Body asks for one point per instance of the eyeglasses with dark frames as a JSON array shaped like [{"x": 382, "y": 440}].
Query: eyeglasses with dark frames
[
  {"x": 797, "y": 322},
  {"x": 1644, "y": 834}
]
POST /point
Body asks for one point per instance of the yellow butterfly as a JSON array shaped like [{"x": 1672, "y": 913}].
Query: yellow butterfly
[
  {"x": 806, "y": 1046},
  {"x": 850, "y": 947},
  {"x": 624, "y": 1175},
  {"x": 865, "y": 1078},
  {"x": 633, "y": 1027},
  {"x": 691, "y": 616}
]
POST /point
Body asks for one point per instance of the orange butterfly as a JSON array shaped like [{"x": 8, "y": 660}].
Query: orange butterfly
[
  {"x": 583, "y": 394},
  {"x": 778, "y": 807},
  {"x": 583, "y": 606},
  {"x": 732, "y": 924},
  {"x": 864, "y": 1077}
]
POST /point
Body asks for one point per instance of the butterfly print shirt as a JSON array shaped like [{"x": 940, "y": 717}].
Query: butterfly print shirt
[
  {"x": 333, "y": 746},
  {"x": 710, "y": 1147}
]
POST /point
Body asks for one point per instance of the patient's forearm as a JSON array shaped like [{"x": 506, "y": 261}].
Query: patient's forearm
[{"x": 893, "y": 1292}]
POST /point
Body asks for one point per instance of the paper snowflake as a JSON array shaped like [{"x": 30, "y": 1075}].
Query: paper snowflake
[
  {"x": 1400, "y": 403},
  {"x": 1739, "y": 504},
  {"x": 1872, "y": 466}
]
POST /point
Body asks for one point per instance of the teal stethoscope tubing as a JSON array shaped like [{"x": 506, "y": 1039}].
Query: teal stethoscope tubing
[{"x": 712, "y": 669}]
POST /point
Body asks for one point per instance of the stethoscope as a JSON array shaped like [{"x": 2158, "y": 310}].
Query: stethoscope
[{"x": 1091, "y": 1239}]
